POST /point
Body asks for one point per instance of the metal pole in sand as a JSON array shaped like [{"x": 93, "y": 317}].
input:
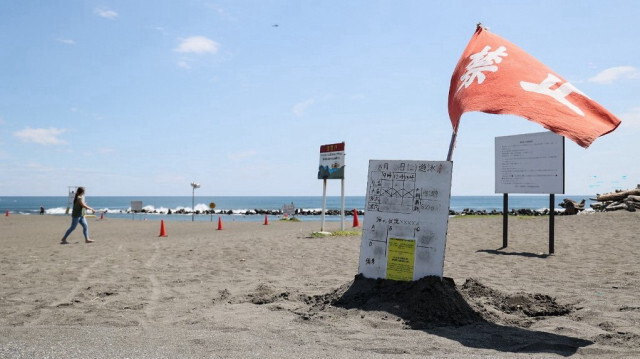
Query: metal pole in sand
[
  {"x": 324, "y": 202},
  {"x": 193, "y": 200},
  {"x": 505, "y": 220},
  {"x": 342, "y": 208},
  {"x": 552, "y": 212}
]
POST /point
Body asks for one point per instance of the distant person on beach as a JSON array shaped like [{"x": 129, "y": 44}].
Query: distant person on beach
[
  {"x": 41, "y": 210},
  {"x": 77, "y": 216}
]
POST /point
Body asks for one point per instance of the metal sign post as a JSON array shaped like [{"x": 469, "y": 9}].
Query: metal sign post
[
  {"x": 212, "y": 206},
  {"x": 342, "y": 206},
  {"x": 552, "y": 212},
  {"x": 505, "y": 220},
  {"x": 194, "y": 185},
  {"x": 324, "y": 202}
]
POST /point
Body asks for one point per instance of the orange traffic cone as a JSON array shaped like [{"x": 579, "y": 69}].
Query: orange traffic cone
[
  {"x": 219, "y": 223},
  {"x": 266, "y": 220},
  {"x": 163, "y": 233},
  {"x": 356, "y": 223}
]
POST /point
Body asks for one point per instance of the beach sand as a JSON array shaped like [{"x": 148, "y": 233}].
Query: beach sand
[{"x": 274, "y": 291}]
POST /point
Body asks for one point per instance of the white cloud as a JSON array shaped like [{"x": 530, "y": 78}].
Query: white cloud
[
  {"x": 184, "y": 64},
  {"x": 67, "y": 41},
  {"x": 616, "y": 73},
  {"x": 105, "y": 13},
  {"x": 197, "y": 45},
  {"x": 43, "y": 136},
  {"x": 300, "y": 108},
  {"x": 242, "y": 155}
]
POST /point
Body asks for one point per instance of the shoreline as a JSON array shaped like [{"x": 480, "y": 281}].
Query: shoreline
[{"x": 313, "y": 204}]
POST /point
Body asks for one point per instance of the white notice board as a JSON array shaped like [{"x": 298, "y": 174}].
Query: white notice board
[
  {"x": 405, "y": 226},
  {"x": 136, "y": 206},
  {"x": 530, "y": 163}
]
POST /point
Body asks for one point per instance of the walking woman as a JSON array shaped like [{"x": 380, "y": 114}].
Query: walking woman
[{"x": 77, "y": 216}]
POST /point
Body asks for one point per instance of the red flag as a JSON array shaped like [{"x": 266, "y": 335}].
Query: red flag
[{"x": 495, "y": 76}]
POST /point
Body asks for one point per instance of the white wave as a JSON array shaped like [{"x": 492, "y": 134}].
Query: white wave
[
  {"x": 202, "y": 207},
  {"x": 57, "y": 210}
]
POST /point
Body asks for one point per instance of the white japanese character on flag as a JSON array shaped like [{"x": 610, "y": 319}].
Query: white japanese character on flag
[
  {"x": 560, "y": 94},
  {"x": 480, "y": 62}
]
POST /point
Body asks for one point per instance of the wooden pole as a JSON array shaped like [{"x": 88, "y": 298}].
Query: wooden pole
[{"x": 505, "y": 219}]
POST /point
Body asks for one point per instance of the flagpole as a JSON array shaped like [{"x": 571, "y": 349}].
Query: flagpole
[{"x": 452, "y": 145}]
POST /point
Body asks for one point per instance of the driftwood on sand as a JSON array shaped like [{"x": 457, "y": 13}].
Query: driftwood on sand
[
  {"x": 571, "y": 207},
  {"x": 619, "y": 199},
  {"x": 618, "y": 195}
]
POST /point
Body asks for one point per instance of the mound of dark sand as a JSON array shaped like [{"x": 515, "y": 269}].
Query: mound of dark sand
[
  {"x": 518, "y": 308},
  {"x": 433, "y": 302},
  {"x": 427, "y": 303}
]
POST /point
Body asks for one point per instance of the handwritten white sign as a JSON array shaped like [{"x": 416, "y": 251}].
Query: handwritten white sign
[{"x": 405, "y": 224}]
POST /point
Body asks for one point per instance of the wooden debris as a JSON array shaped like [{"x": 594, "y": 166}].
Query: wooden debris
[
  {"x": 572, "y": 207},
  {"x": 617, "y": 200},
  {"x": 618, "y": 195}
]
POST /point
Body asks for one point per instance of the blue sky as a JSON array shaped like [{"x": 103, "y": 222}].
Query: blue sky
[{"x": 143, "y": 97}]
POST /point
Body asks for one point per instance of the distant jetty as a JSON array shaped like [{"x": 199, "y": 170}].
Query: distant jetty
[
  {"x": 257, "y": 211},
  {"x": 336, "y": 212},
  {"x": 617, "y": 200}
]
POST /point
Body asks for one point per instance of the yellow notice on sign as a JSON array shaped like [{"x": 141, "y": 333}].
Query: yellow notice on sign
[{"x": 401, "y": 259}]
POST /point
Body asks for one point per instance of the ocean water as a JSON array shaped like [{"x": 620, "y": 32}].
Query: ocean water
[{"x": 117, "y": 206}]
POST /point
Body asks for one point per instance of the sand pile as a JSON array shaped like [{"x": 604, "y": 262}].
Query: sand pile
[{"x": 431, "y": 302}]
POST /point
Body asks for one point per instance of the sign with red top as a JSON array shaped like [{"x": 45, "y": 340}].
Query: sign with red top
[
  {"x": 335, "y": 147},
  {"x": 331, "y": 161}
]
